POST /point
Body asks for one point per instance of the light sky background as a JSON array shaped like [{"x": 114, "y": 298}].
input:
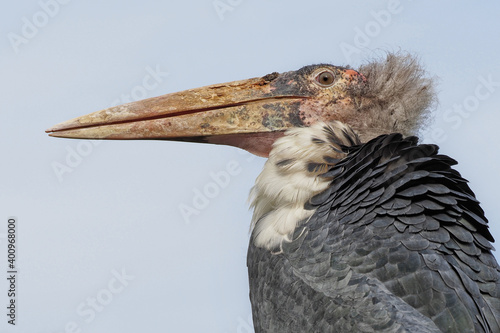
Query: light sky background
[{"x": 116, "y": 207}]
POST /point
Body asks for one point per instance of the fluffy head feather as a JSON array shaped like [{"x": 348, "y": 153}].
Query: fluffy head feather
[{"x": 399, "y": 97}]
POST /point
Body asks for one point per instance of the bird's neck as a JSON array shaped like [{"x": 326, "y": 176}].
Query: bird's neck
[{"x": 291, "y": 176}]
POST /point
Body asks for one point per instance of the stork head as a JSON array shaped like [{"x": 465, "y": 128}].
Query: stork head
[
  {"x": 316, "y": 107},
  {"x": 391, "y": 95}
]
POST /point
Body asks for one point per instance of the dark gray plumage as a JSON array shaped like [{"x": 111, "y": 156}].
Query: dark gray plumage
[{"x": 398, "y": 243}]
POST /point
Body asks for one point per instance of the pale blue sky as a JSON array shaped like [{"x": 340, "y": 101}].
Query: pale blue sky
[{"x": 103, "y": 245}]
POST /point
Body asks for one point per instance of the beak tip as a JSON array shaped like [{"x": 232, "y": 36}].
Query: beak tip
[
  {"x": 52, "y": 134},
  {"x": 60, "y": 127},
  {"x": 53, "y": 131}
]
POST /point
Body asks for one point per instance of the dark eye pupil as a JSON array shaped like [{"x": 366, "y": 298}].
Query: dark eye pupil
[{"x": 325, "y": 78}]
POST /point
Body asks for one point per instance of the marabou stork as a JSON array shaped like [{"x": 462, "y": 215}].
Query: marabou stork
[{"x": 356, "y": 226}]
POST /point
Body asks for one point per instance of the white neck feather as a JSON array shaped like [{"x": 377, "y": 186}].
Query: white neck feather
[{"x": 291, "y": 176}]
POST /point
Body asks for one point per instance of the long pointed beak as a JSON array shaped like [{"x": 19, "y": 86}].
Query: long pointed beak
[
  {"x": 260, "y": 109},
  {"x": 217, "y": 109}
]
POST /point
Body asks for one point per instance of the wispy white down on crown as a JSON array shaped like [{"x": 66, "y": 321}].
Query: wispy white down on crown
[{"x": 291, "y": 176}]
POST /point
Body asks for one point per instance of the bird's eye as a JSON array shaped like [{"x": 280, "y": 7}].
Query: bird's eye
[{"x": 325, "y": 78}]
